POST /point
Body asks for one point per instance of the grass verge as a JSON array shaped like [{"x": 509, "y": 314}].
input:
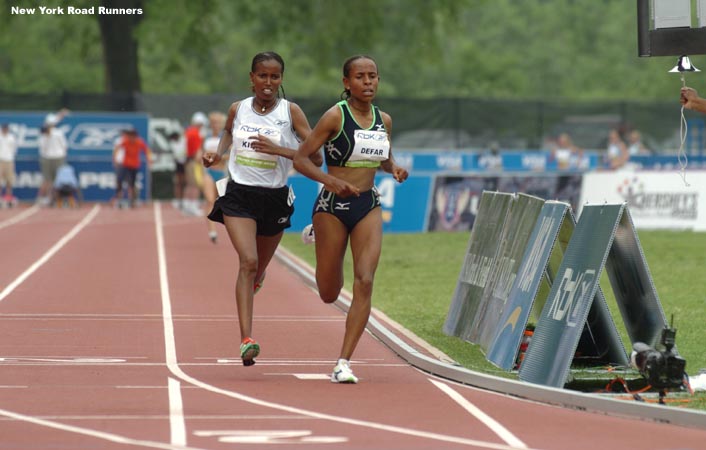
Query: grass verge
[{"x": 418, "y": 273}]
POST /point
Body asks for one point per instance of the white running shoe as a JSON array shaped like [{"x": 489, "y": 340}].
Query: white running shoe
[
  {"x": 342, "y": 373},
  {"x": 308, "y": 234}
]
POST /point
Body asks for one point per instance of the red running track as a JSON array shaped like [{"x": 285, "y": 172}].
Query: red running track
[{"x": 119, "y": 328}]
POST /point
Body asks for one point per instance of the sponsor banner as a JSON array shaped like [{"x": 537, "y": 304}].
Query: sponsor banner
[
  {"x": 455, "y": 199},
  {"x": 167, "y": 152},
  {"x": 509, "y": 161},
  {"x": 657, "y": 199},
  {"x": 506, "y": 342},
  {"x": 565, "y": 313},
  {"x": 90, "y": 137},
  {"x": 520, "y": 222},
  {"x": 667, "y": 162},
  {"x": 404, "y": 205},
  {"x": 479, "y": 263},
  {"x": 88, "y": 134},
  {"x": 96, "y": 178},
  {"x": 633, "y": 287}
]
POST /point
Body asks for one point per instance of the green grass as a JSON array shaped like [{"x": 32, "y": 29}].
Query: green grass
[{"x": 417, "y": 276}]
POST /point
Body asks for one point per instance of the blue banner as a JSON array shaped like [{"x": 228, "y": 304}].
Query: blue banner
[
  {"x": 90, "y": 137},
  {"x": 506, "y": 161},
  {"x": 404, "y": 205}
]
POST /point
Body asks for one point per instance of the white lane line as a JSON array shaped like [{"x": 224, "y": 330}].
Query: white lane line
[
  {"x": 87, "y": 432},
  {"x": 158, "y": 317},
  {"x": 20, "y": 217},
  {"x": 121, "y": 418},
  {"x": 476, "y": 412},
  {"x": 51, "y": 252},
  {"x": 48, "y": 423},
  {"x": 176, "y": 413},
  {"x": 301, "y": 376},
  {"x": 174, "y": 367}
]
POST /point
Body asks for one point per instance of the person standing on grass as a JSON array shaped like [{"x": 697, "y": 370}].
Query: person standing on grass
[
  {"x": 264, "y": 131},
  {"x": 356, "y": 139}
]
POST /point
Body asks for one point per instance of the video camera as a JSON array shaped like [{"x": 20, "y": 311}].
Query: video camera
[{"x": 662, "y": 369}]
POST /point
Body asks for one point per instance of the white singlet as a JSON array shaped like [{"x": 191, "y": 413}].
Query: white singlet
[{"x": 249, "y": 167}]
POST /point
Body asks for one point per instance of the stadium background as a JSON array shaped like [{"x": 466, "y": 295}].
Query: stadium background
[{"x": 445, "y": 143}]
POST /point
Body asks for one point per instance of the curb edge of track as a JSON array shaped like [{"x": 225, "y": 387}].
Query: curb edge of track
[{"x": 543, "y": 394}]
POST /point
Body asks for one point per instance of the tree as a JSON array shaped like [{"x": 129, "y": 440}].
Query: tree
[
  {"x": 547, "y": 50},
  {"x": 120, "y": 47}
]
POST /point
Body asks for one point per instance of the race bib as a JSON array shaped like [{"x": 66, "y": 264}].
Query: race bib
[
  {"x": 370, "y": 148},
  {"x": 221, "y": 186},
  {"x": 245, "y": 155}
]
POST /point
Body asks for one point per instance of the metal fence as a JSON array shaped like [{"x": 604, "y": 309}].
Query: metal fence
[{"x": 438, "y": 123}]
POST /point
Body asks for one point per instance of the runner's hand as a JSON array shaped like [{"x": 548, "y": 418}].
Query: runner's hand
[{"x": 210, "y": 159}]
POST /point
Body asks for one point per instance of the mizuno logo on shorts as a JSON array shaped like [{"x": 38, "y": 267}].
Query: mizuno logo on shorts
[{"x": 340, "y": 206}]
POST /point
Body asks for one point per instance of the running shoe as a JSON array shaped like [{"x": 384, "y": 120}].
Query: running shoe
[
  {"x": 213, "y": 235},
  {"x": 342, "y": 373},
  {"x": 258, "y": 284},
  {"x": 249, "y": 349},
  {"x": 308, "y": 234}
]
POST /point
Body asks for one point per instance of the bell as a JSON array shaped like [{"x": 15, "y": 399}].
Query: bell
[{"x": 684, "y": 65}]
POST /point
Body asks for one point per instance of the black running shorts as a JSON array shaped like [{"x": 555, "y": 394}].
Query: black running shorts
[{"x": 270, "y": 208}]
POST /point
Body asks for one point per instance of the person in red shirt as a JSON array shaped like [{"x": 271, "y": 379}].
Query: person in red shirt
[{"x": 126, "y": 156}]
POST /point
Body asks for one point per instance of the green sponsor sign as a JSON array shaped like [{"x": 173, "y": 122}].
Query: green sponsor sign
[
  {"x": 517, "y": 229},
  {"x": 479, "y": 262},
  {"x": 565, "y": 314},
  {"x": 535, "y": 262}
]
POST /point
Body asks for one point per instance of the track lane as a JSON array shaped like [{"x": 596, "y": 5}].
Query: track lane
[
  {"x": 96, "y": 354},
  {"x": 79, "y": 331}
]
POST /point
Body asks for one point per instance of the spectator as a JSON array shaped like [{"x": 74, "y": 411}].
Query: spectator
[
  {"x": 617, "y": 152},
  {"x": 52, "y": 154},
  {"x": 131, "y": 145},
  {"x": 635, "y": 145},
  {"x": 491, "y": 159},
  {"x": 565, "y": 153},
  {"x": 66, "y": 187},
  {"x": 119, "y": 152},
  {"x": 8, "y": 151}
]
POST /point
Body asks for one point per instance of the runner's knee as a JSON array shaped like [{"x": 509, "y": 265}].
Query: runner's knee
[
  {"x": 364, "y": 284},
  {"x": 248, "y": 266},
  {"x": 329, "y": 294}
]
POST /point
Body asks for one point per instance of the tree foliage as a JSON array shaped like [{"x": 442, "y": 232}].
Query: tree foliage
[{"x": 539, "y": 49}]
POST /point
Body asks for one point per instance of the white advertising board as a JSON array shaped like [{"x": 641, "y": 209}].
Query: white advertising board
[{"x": 657, "y": 199}]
